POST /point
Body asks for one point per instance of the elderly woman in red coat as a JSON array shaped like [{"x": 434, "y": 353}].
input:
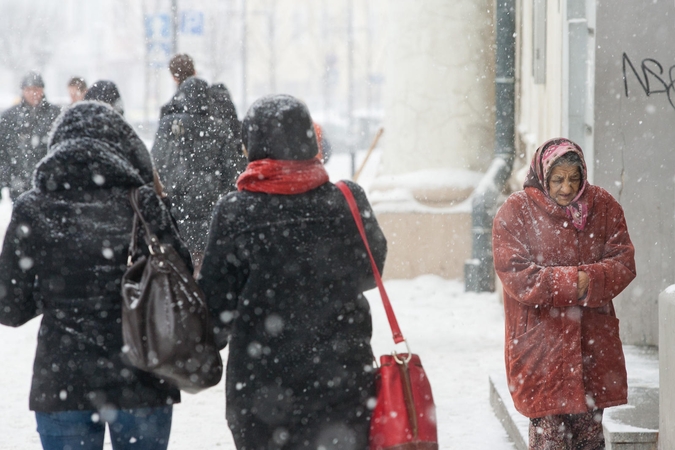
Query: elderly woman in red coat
[{"x": 562, "y": 252}]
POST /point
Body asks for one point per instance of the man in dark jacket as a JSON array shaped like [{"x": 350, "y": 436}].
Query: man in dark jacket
[
  {"x": 197, "y": 151},
  {"x": 24, "y": 131}
]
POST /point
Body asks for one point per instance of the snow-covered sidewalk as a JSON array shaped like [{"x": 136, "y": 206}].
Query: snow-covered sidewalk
[{"x": 458, "y": 336}]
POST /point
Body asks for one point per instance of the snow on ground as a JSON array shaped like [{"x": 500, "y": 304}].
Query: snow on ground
[{"x": 458, "y": 335}]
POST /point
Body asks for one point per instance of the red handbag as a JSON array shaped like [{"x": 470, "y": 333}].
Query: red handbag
[{"x": 404, "y": 417}]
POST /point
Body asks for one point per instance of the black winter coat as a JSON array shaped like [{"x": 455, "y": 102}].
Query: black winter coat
[
  {"x": 24, "y": 133},
  {"x": 284, "y": 277},
  {"x": 198, "y": 154},
  {"x": 64, "y": 255}
]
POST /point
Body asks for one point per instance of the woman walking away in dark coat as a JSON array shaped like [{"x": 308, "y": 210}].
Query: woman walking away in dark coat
[
  {"x": 64, "y": 255},
  {"x": 562, "y": 252},
  {"x": 284, "y": 273},
  {"x": 197, "y": 150}
]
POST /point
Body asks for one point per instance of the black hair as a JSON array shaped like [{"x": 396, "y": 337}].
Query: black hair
[{"x": 79, "y": 83}]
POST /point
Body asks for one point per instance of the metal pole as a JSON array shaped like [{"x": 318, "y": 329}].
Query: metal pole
[
  {"x": 243, "y": 55},
  {"x": 174, "y": 26},
  {"x": 146, "y": 99},
  {"x": 273, "y": 55},
  {"x": 326, "y": 73},
  {"x": 350, "y": 84},
  {"x": 369, "y": 57}
]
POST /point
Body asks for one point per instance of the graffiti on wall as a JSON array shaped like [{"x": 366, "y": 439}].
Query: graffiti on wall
[{"x": 652, "y": 77}]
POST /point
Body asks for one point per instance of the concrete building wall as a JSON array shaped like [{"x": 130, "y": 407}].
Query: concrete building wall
[
  {"x": 619, "y": 109},
  {"x": 634, "y": 137}
]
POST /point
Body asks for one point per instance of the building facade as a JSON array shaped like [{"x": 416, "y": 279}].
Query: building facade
[{"x": 600, "y": 73}]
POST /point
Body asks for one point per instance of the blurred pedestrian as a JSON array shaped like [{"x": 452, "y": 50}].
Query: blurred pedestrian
[
  {"x": 325, "y": 147},
  {"x": 24, "y": 132},
  {"x": 284, "y": 273},
  {"x": 562, "y": 252},
  {"x": 77, "y": 87},
  {"x": 106, "y": 91},
  {"x": 197, "y": 150},
  {"x": 63, "y": 257}
]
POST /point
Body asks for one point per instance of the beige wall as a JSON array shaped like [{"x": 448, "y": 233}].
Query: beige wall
[{"x": 422, "y": 243}]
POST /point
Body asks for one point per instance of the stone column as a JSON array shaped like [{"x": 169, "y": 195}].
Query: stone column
[
  {"x": 439, "y": 132},
  {"x": 667, "y": 369},
  {"x": 439, "y": 91}
]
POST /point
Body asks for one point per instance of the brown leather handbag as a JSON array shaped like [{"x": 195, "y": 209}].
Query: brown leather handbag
[{"x": 165, "y": 319}]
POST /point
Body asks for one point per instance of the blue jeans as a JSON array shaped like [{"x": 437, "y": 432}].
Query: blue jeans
[{"x": 133, "y": 429}]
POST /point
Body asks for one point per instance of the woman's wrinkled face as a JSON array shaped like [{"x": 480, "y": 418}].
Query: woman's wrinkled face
[{"x": 564, "y": 184}]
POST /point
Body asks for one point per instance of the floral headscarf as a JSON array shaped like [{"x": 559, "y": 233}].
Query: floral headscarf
[{"x": 540, "y": 169}]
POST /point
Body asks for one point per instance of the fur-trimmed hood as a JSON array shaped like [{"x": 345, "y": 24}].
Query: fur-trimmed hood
[{"x": 93, "y": 147}]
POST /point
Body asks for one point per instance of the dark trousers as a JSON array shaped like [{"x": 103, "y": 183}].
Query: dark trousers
[
  {"x": 135, "y": 429},
  {"x": 567, "y": 432}
]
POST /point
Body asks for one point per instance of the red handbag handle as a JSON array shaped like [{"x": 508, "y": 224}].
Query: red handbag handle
[{"x": 393, "y": 323}]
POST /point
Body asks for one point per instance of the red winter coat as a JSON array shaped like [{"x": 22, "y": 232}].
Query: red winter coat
[{"x": 563, "y": 355}]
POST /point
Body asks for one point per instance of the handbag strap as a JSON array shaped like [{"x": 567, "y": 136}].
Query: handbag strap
[
  {"x": 133, "y": 247},
  {"x": 353, "y": 207},
  {"x": 150, "y": 238}
]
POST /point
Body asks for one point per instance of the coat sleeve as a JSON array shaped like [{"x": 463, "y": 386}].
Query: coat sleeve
[
  {"x": 5, "y": 141},
  {"x": 376, "y": 239},
  {"x": 232, "y": 163},
  {"x": 160, "y": 148},
  {"x": 616, "y": 269},
  {"x": 223, "y": 273},
  {"x": 523, "y": 279},
  {"x": 18, "y": 296}
]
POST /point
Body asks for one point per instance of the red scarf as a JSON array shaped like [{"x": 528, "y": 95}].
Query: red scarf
[{"x": 274, "y": 176}]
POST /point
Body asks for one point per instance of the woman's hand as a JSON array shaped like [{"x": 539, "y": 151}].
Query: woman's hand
[{"x": 582, "y": 284}]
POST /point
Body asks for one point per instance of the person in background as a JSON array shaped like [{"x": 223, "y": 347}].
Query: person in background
[
  {"x": 325, "y": 147},
  {"x": 284, "y": 273},
  {"x": 197, "y": 150},
  {"x": 562, "y": 251},
  {"x": 106, "y": 91},
  {"x": 77, "y": 87},
  {"x": 181, "y": 67},
  {"x": 24, "y": 133},
  {"x": 63, "y": 257}
]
